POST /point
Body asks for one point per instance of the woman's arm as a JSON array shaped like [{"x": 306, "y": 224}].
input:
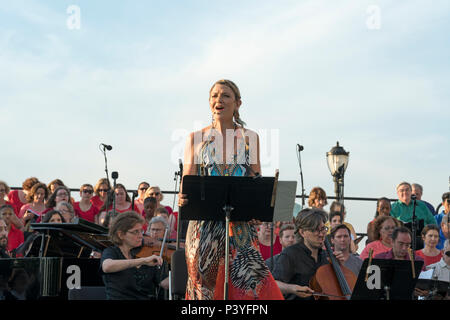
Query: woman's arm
[{"x": 110, "y": 265}]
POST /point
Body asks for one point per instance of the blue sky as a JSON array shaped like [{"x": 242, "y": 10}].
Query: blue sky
[{"x": 136, "y": 75}]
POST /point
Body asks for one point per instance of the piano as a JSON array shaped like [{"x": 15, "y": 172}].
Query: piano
[{"x": 56, "y": 258}]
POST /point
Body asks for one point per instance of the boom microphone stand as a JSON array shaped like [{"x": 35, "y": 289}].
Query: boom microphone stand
[
  {"x": 114, "y": 175},
  {"x": 105, "y": 147}
]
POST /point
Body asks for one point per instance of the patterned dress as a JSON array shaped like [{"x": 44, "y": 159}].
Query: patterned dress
[{"x": 249, "y": 277}]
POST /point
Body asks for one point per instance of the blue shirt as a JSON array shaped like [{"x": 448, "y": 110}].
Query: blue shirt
[{"x": 439, "y": 218}]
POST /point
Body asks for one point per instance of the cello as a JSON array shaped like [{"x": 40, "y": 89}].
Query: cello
[{"x": 332, "y": 281}]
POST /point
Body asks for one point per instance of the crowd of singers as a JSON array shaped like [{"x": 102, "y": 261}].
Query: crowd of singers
[{"x": 294, "y": 256}]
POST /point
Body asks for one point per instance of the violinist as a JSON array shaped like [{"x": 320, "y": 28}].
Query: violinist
[
  {"x": 127, "y": 277},
  {"x": 298, "y": 263}
]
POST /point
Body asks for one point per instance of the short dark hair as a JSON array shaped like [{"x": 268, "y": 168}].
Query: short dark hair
[
  {"x": 337, "y": 228},
  {"x": 446, "y": 196},
  {"x": 284, "y": 227},
  {"x": 50, "y": 214},
  {"x": 400, "y": 230},
  {"x": 150, "y": 199},
  {"x": 335, "y": 213},
  {"x": 309, "y": 219}
]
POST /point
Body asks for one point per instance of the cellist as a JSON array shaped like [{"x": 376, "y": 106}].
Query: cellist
[{"x": 299, "y": 262}]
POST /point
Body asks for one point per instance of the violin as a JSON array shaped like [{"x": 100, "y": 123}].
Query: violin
[
  {"x": 147, "y": 251},
  {"x": 332, "y": 281}
]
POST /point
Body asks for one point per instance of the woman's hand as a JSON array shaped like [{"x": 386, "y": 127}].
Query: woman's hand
[
  {"x": 152, "y": 261},
  {"x": 182, "y": 199}
]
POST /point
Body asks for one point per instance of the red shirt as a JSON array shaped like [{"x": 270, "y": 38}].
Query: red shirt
[
  {"x": 14, "y": 200},
  {"x": 86, "y": 215},
  {"x": 95, "y": 200},
  {"x": 429, "y": 259},
  {"x": 265, "y": 250},
  {"x": 15, "y": 238}
]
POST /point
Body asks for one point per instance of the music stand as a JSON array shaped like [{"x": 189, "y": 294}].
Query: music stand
[
  {"x": 227, "y": 198},
  {"x": 396, "y": 280}
]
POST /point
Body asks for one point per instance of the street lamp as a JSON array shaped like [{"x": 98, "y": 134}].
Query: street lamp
[{"x": 337, "y": 159}]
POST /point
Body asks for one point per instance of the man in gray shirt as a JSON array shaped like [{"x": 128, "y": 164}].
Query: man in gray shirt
[{"x": 340, "y": 238}]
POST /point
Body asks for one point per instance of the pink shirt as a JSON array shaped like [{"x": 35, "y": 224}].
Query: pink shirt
[{"x": 377, "y": 246}]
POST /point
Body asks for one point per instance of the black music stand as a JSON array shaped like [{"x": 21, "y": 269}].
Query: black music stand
[
  {"x": 396, "y": 280},
  {"x": 227, "y": 198}
]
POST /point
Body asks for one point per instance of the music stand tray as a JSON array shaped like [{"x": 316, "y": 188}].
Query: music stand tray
[{"x": 396, "y": 280}]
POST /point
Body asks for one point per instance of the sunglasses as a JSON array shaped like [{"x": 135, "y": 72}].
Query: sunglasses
[
  {"x": 447, "y": 253},
  {"x": 103, "y": 190},
  {"x": 88, "y": 191},
  {"x": 143, "y": 189}
]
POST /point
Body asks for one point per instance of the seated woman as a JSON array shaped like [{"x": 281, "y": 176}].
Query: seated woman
[
  {"x": 264, "y": 235},
  {"x": 35, "y": 208},
  {"x": 84, "y": 208},
  {"x": 14, "y": 227},
  {"x": 384, "y": 227},
  {"x": 317, "y": 198},
  {"x": 139, "y": 202},
  {"x": 18, "y": 197},
  {"x": 66, "y": 210},
  {"x": 4, "y": 191},
  {"x": 383, "y": 209},
  {"x": 60, "y": 194},
  {"x": 430, "y": 236},
  {"x": 53, "y": 216},
  {"x": 125, "y": 276},
  {"x": 101, "y": 191},
  {"x": 123, "y": 202}
]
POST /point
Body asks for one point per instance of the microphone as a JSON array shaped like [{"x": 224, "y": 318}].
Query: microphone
[
  {"x": 299, "y": 147},
  {"x": 108, "y": 147},
  {"x": 181, "y": 167}
]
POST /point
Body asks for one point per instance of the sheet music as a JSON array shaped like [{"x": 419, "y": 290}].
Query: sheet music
[
  {"x": 285, "y": 199},
  {"x": 426, "y": 274}
]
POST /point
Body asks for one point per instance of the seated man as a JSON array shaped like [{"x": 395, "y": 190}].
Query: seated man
[
  {"x": 401, "y": 243},
  {"x": 417, "y": 190},
  {"x": 442, "y": 268},
  {"x": 4, "y": 253},
  {"x": 440, "y": 219},
  {"x": 299, "y": 262},
  {"x": 341, "y": 239},
  {"x": 403, "y": 210},
  {"x": 287, "y": 238}
]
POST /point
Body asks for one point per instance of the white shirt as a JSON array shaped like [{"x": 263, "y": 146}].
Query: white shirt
[{"x": 441, "y": 270}]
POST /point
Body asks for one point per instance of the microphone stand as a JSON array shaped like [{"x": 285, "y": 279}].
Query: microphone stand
[
  {"x": 178, "y": 174},
  {"x": 114, "y": 175},
  {"x": 299, "y": 149},
  {"x": 414, "y": 226},
  {"x": 106, "y": 162}
]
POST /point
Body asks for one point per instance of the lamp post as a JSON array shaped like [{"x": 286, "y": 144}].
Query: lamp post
[{"x": 337, "y": 159}]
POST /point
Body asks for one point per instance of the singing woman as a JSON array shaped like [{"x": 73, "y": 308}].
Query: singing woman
[{"x": 225, "y": 148}]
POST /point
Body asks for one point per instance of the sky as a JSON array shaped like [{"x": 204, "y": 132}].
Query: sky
[{"x": 373, "y": 75}]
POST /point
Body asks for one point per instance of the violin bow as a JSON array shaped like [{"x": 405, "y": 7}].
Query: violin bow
[
  {"x": 412, "y": 263},
  {"x": 370, "y": 263}
]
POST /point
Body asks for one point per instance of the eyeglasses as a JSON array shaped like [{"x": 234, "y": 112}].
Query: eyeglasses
[
  {"x": 103, "y": 190},
  {"x": 321, "y": 230},
  {"x": 88, "y": 191},
  {"x": 136, "y": 232}
]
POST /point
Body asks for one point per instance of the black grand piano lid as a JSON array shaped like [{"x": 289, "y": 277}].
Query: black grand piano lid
[
  {"x": 78, "y": 225},
  {"x": 66, "y": 239}
]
